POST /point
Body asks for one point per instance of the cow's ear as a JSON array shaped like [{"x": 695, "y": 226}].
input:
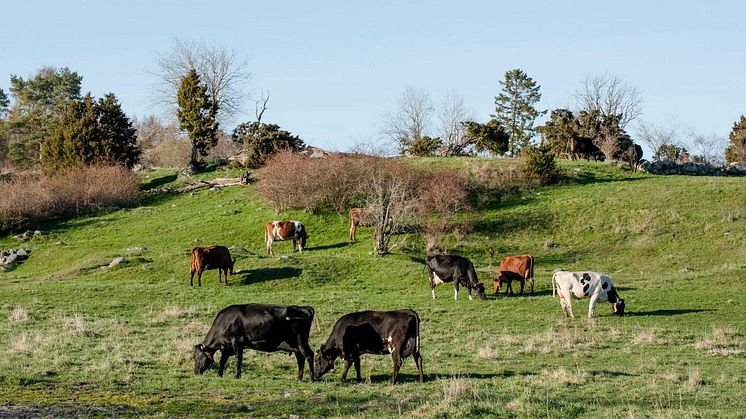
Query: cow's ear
[{"x": 199, "y": 347}]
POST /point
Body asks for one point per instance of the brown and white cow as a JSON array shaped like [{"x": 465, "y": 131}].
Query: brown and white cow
[
  {"x": 357, "y": 216},
  {"x": 520, "y": 268},
  {"x": 211, "y": 257},
  {"x": 286, "y": 230}
]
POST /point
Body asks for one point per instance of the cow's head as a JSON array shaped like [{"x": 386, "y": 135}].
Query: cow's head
[
  {"x": 230, "y": 266},
  {"x": 480, "y": 291},
  {"x": 202, "y": 358},
  {"x": 619, "y": 307},
  {"x": 324, "y": 361},
  {"x": 497, "y": 283}
]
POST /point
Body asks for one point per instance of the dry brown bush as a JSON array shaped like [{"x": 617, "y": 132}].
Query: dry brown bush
[
  {"x": 292, "y": 180},
  {"x": 171, "y": 153},
  {"x": 28, "y": 200}
]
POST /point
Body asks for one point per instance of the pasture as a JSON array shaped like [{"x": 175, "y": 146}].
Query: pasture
[{"x": 80, "y": 338}]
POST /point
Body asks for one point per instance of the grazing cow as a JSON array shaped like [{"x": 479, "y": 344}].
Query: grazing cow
[
  {"x": 266, "y": 328},
  {"x": 372, "y": 332},
  {"x": 285, "y": 230},
  {"x": 520, "y": 268},
  {"x": 579, "y": 285},
  {"x": 584, "y": 147},
  {"x": 212, "y": 257},
  {"x": 456, "y": 269},
  {"x": 357, "y": 216}
]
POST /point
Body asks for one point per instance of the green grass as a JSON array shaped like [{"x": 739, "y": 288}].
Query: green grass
[{"x": 81, "y": 339}]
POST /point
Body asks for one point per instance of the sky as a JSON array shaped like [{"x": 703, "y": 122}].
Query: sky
[{"x": 334, "y": 69}]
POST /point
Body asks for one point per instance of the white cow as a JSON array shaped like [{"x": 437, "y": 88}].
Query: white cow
[{"x": 579, "y": 285}]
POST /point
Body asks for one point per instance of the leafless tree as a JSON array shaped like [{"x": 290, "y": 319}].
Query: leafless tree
[
  {"x": 452, "y": 112},
  {"x": 223, "y": 71},
  {"x": 391, "y": 201},
  {"x": 708, "y": 148},
  {"x": 151, "y": 133},
  {"x": 410, "y": 121},
  {"x": 610, "y": 95},
  {"x": 657, "y": 136}
]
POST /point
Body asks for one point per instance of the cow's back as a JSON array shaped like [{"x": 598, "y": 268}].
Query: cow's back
[
  {"x": 369, "y": 329},
  {"x": 257, "y": 322}
]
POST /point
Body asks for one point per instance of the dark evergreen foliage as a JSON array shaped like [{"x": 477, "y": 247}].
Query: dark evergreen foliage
[
  {"x": 196, "y": 115},
  {"x": 488, "y": 137},
  {"x": 514, "y": 108},
  {"x": 736, "y": 150},
  {"x": 262, "y": 140}
]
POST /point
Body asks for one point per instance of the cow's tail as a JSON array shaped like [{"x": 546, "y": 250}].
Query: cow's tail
[
  {"x": 531, "y": 272},
  {"x": 554, "y": 282},
  {"x": 194, "y": 267},
  {"x": 417, "y": 338}
]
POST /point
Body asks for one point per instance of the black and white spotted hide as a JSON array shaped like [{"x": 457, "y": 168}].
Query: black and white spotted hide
[{"x": 598, "y": 287}]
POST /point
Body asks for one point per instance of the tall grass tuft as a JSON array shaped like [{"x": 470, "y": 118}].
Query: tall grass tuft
[{"x": 78, "y": 190}]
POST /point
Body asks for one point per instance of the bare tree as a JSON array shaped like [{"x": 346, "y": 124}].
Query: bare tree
[
  {"x": 223, "y": 71},
  {"x": 610, "y": 95},
  {"x": 708, "y": 149},
  {"x": 452, "y": 112},
  {"x": 410, "y": 121},
  {"x": 659, "y": 137},
  {"x": 391, "y": 201}
]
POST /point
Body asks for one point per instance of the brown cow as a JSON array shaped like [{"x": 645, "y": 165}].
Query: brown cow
[
  {"x": 357, "y": 216},
  {"x": 520, "y": 268},
  {"x": 285, "y": 230},
  {"x": 212, "y": 257}
]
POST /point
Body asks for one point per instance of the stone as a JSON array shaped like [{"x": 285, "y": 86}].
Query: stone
[{"x": 118, "y": 261}]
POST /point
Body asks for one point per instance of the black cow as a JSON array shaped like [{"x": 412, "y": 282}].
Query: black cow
[
  {"x": 634, "y": 155},
  {"x": 372, "y": 332},
  {"x": 584, "y": 147},
  {"x": 456, "y": 269},
  {"x": 266, "y": 328}
]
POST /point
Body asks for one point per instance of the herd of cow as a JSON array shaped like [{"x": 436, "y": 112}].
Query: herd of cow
[{"x": 271, "y": 328}]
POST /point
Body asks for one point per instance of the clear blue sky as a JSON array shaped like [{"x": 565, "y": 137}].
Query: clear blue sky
[{"x": 334, "y": 68}]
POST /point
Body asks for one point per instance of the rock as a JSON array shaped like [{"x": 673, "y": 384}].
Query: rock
[{"x": 118, "y": 261}]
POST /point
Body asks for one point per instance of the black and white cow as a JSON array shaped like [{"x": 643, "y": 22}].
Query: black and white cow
[
  {"x": 266, "y": 328},
  {"x": 372, "y": 332},
  {"x": 579, "y": 285},
  {"x": 456, "y": 269},
  {"x": 285, "y": 230}
]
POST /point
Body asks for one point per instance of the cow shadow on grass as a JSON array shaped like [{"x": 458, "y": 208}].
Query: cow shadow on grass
[
  {"x": 526, "y": 294},
  {"x": 254, "y": 276},
  {"x": 413, "y": 378},
  {"x": 668, "y": 312},
  {"x": 155, "y": 182},
  {"x": 329, "y": 246}
]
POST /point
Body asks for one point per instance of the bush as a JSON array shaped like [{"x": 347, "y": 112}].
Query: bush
[
  {"x": 71, "y": 192},
  {"x": 538, "y": 165}
]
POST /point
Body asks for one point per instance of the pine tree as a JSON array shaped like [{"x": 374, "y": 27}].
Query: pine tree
[
  {"x": 558, "y": 130},
  {"x": 118, "y": 136},
  {"x": 490, "y": 136},
  {"x": 196, "y": 116},
  {"x": 736, "y": 151},
  {"x": 514, "y": 108},
  {"x": 91, "y": 132}
]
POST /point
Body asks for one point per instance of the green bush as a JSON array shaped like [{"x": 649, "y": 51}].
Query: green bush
[{"x": 538, "y": 165}]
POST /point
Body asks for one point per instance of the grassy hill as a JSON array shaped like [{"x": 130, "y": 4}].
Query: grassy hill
[{"x": 79, "y": 337}]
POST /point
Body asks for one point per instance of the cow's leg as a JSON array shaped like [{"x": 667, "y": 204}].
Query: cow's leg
[
  {"x": 199, "y": 278},
  {"x": 226, "y": 276},
  {"x": 296, "y": 245},
  {"x": 307, "y": 353},
  {"x": 348, "y": 363},
  {"x": 396, "y": 357},
  {"x": 238, "y": 350},
  {"x": 191, "y": 278},
  {"x": 523, "y": 282},
  {"x": 469, "y": 290},
  {"x": 565, "y": 300},
  {"x": 224, "y": 355},
  {"x": 592, "y": 305},
  {"x": 509, "y": 287},
  {"x": 269, "y": 247},
  {"x": 432, "y": 290},
  {"x": 301, "y": 365},
  {"x": 418, "y": 361},
  {"x": 455, "y": 289},
  {"x": 356, "y": 361}
]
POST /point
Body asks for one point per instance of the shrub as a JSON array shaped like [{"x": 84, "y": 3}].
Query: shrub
[
  {"x": 538, "y": 165},
  {"x": 71, "y": 192}
]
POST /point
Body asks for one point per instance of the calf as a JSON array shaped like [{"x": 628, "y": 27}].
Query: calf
[
  {"x": 285, "y": 230},
  {"x": 372, "y": 332},
  {"x": 456, "y": 269},
  {"x": 520, "y": 268},
  {"x": 579, "y": 285},
  {"x": 212, "y": 257},
  {"x": 266, "y": 328}
]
